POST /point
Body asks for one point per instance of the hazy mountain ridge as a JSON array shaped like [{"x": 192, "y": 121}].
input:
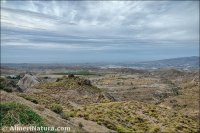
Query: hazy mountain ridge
[
  {"x": 178, "y": 63},
  {"x": 183, "y": 62}
]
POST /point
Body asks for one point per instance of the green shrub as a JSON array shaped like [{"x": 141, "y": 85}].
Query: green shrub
[
  {"x": 14, "y": 113},
  {"x": 80, "y": 125},
  {"x": 58, "y": 79},
  {"x": 7, "y": 89},
  {"x": 175, "y": 91},
  {"x": 57, "y": 108},
  {"x": 67, "y": 114},
  {"x": 4, "y": 85},
  {"x": 14, "y": 77},
  {"x": 71, "y": 114}
]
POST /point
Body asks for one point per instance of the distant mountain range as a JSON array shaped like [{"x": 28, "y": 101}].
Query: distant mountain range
[
  {"x": 177, "y": 63},
  {"x": 183, "y": 62}
]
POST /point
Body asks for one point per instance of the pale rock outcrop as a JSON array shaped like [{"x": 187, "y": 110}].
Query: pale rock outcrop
[{"x": 27, "y": 82}]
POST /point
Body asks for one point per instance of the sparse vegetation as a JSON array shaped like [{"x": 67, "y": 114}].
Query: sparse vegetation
[
  {"x": 30, "y": 98},
  {"x": 136, "y": 117}
]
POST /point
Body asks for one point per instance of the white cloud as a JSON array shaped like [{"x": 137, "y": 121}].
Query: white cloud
[{"x": 136, "y": 20}]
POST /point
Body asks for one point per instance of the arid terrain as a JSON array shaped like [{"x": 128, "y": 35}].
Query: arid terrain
[
  {"x": 91, "y": 99},
  {"x": 87, "y": 66}
]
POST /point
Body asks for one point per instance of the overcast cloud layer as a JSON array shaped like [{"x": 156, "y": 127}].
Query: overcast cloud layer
[{"x": 98, "y": 31}]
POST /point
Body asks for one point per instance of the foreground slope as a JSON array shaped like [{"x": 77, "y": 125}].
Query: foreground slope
[{"x": 44, "y": 115}]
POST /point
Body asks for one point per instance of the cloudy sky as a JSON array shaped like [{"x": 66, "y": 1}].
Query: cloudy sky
[{"x": 98, "y": 31}]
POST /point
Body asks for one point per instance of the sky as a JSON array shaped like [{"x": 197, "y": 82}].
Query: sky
[{"x": 98, "y": 31}]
